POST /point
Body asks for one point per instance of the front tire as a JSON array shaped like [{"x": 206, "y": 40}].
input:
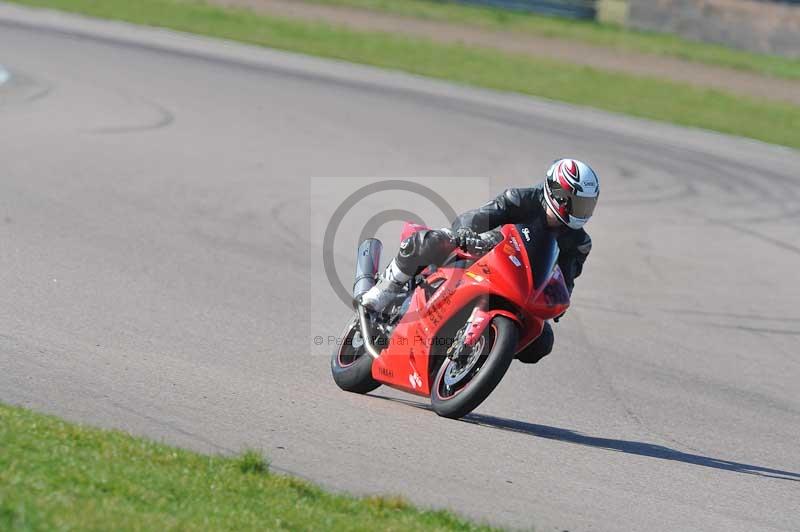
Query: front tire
[
  {"x": 454, "y": 395},
  {"x": 351, "y": 365}
]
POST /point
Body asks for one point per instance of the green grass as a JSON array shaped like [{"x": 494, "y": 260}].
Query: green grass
[
  {"x": 596, "y": 33},
  {"x": 56, "y": 475},
  {"x": 649, "y": 98}
]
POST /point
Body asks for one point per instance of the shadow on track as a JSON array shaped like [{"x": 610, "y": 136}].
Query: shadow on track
[{"x": 649, "y": 450}]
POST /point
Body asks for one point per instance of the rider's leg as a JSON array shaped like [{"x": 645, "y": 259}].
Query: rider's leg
[
  {"x": 539, "y": 348},
  {"x": 431, "y": 246},
  {"x": 389, "y": 285}
]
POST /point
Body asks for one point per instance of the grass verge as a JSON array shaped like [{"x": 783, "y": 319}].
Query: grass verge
[
  {"x": 597, "y": 33},
  {"x": 773, "y": 122},
  {"x": 56, "y": 475}
]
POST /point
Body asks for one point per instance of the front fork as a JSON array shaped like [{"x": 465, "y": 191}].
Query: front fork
[
  {"x": 472, "y": 330},
  {"x": 477, "y": 322}
]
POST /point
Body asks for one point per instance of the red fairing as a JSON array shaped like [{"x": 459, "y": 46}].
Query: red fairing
[
  {"x": 504, "y": 274},
  {"x": 409, "y": 228}
]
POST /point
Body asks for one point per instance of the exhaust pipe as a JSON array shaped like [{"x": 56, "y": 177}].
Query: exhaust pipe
[
  {"x": 366, "y": 334},
  {"x": 367, "y": 265}
]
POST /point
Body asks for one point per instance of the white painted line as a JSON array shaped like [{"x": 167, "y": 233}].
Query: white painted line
[{"x": 5, "y": 75}]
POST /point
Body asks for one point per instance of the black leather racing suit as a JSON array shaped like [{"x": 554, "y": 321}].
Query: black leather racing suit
[{"x": 515, "y": 205}]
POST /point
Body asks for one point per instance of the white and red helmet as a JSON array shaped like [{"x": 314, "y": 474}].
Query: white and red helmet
[{"x": 571, "y": 189}]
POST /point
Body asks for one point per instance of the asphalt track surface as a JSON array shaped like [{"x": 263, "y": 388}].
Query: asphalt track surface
[{"x": 155, "y": 271}]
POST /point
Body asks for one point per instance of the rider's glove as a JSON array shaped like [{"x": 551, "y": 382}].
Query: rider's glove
[
  {"x": 470, "y": 241},
  {"x": 559, "y": 316}
]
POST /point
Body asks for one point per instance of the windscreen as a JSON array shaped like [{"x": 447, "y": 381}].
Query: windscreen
[{"x": 540, "y": 243}]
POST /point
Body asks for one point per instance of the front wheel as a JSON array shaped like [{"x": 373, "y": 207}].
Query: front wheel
[
  {"x": 351, "y": 365},
  {"x": 461, "y": 385}
]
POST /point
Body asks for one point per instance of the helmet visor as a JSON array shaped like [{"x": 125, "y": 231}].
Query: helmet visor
[{"x": 582, "y": 206}]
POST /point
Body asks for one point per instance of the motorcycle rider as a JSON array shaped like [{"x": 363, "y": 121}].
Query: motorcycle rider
[{"x": 564, "y": 202}]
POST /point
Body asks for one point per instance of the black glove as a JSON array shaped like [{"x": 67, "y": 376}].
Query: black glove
[
  {"x": 559, "y": 316},
  {"x": 470, "y": 241}
]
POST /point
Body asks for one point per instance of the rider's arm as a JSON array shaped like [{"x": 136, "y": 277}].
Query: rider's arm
[
  {"x": 474, "y": 243},
  {"x": 575, "y": 247},
  {"x": 507, "y": 208}
]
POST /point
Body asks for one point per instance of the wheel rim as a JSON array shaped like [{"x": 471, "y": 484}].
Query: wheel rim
[
  {"x": 352, "y": 348},
  {"x": 455, "y": 377}
]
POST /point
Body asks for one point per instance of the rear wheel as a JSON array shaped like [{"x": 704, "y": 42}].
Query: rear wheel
[
  {"x": 463, "y": 384},
  {"x": 351, "y": 365}
]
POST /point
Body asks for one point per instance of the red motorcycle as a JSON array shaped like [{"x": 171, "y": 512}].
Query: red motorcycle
[{"x": 452, "y": 333}]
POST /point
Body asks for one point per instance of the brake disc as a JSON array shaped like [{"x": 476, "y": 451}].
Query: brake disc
[{"x": 456, "y": 372}]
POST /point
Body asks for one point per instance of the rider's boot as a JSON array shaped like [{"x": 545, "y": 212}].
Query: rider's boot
[{"x": 383, "y": 293}]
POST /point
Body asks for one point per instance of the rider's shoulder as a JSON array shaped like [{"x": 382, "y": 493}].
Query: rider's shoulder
[
  {"x": 585, "y": 243},
  {"x": 577, "y": 239},
  {"x": 521, "y": 196}
]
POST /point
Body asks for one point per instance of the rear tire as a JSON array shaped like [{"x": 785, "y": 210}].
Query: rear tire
[
  {"x": 351, "y": 365},
  {"x": 499, "y": 344}
]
